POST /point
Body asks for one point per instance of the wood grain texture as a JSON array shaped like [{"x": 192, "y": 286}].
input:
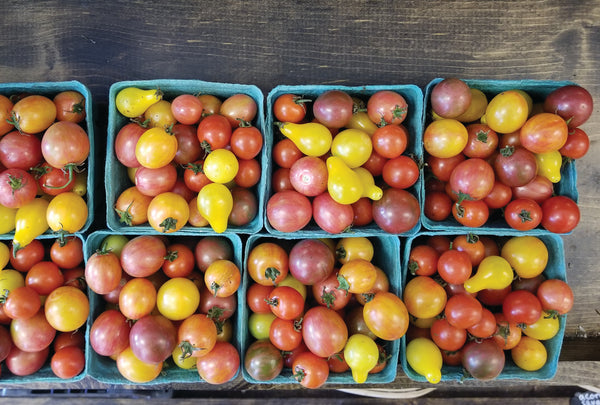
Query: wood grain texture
[{"x": 268, "y": 43}]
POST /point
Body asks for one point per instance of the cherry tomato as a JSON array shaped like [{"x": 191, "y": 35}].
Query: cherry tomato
[
  {"x": 522, "y": 306},
  {"x": 424, "y": 298},
  {"x": 390, "y": 141},
  {"x": 523, "y": 214},
  {"x": 310, "y": 370},
  {"x": 560, "y": 214},
  {"x": 290, "y": 108}
]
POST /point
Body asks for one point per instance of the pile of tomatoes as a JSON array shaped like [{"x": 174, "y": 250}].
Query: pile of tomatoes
[
  {"x": 319, "y": 306},
  {"x": 503, "y": 157},
  {"x": 43, "y": 147},
  {"x": 343, "y": 162},
  {"x": 43, "y": 308},
  {"x": 193, "y": 159},
  {"x": 476, "y": 301},
  {"x": 166, "y": 301}
]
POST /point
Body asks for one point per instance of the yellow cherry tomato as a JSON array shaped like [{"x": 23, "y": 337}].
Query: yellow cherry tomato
[
  {"x": 527, "y": 98},
  {"x": 215, "y": 203},
  {"x": 370, "y": 190},
  {"x": 80, "y": 182},
  {"x": 343, "y": 184},
  {"x": 156, "y": 148},
  {"x": 548, "y": 165},
  {"x": 312, "y": 138},
  {"x": 177, "y": 298},
  {"x": 168, "y": 212},
  {"x": 30, "y": 222},
  {"x": 135, "y": 370},
  {"x": 425, "y": 358},
  {"x": 360, "y": 120},
  {"x": 507, "y": 112},
  {"x": 445, "y": 138},
  {"x": 10, "y": 279},
  {"x": 527, "y": 255},
  {"x": 67, "y": 212},
  {"x": 181, "y": 361},
  {"x": 476, "y": 108},
  {"x": 293, "y": 282},
  {"x": 159, "y": 115},
  {"x": 544, "y": 328},
  {"x": 4, "y": 255},
  {"x": 493, "y": 272},
  {"x": 7, "y": 219},
  {"x": 132, "y": 101},
  {"x": 353, "y": 146},
  {"x": 361, "y": 355},
  {"x": 349, "y": 248},
  {"x": 529, "y": 354},
  {"x": 221, "y": 166}
]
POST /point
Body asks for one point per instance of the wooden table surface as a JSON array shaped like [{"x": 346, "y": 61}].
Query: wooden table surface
[{"x": 267, "y": 43}]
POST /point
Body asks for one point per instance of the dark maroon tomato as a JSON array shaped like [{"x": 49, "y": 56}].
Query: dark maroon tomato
[
  {"x": 311, "y": 261},
  {"x": 438, "y": 206},
  {"x": 483, "y": 359},
  {"x": 212, "y": 248},
  {"x": 188, "y": 146},
  {"x": 529, "y": 284},
  {"x": 333, "y": 108},
  {"x": 109, "y": 333},
  {"x": 280, "y": 180},
  {"x": 515, "y": 167},
  {"x": 577, "y": 145},
  {"x": 560, "y": 214},
  {"x": 217, "y": 308},
  {"x": 473, "y": 178},
  {"x": 539, "y": 189},
  {"x": 245, "y": 206},
  {"x": 355, "y": 320},
  {"x": 20, "y": 151},
  {"x": 522, "y": 306},
  {"x": 263, "y": 361},
  {"x": 450, "y": 97},
  {"x": 153, "y": 338},
  {"x": 289, "y": 211},
  {"x": 492, "y": 297},
  {"x": 397, "y": 211},
  {"x": 330, "y": 215},
  {"x": 5, "y": 343},
  {"x": 571, "y": 102}
]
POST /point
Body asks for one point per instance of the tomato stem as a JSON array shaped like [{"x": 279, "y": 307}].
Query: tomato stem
[
  {"x": 343, "y": 284},
  {"x": 168, "y": 224},
  {"x": 70, "y": 168},
  {"x": 172, "y": 255},
  {"x": 272, "y": 273},
  {"x": 299, "y": 374},
  {"x": 125, "y": 216},
  {"x": 15, "y": 121},
  {"x": 328, "y": 298}
]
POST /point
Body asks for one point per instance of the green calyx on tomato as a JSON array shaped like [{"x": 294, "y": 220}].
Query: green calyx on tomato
[
  {"x": 344, "y": 284},
  {"x": 168, "y": 224}
]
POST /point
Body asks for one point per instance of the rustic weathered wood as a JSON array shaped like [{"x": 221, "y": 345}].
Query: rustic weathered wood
[{"x": 331, "y": 42}]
